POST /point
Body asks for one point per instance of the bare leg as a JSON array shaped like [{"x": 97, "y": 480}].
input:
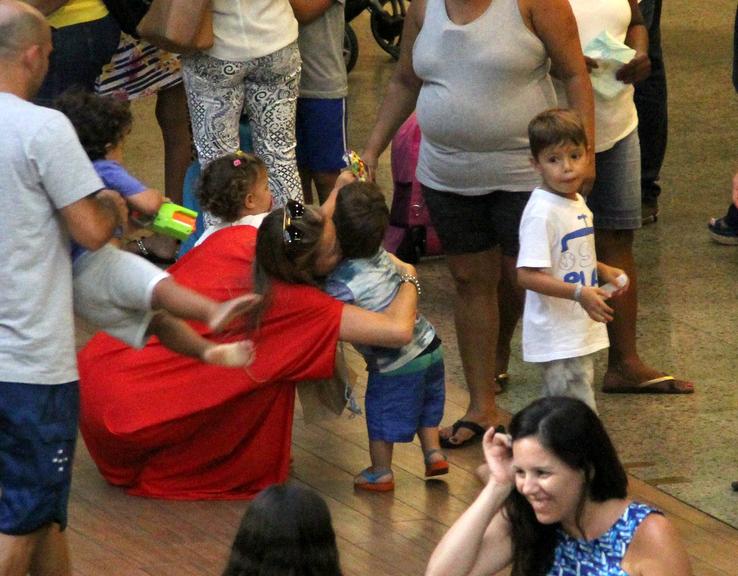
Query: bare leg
[
  {"x": 475, "y": 311},
  {"x": 324, "y": 183},
  {"x": 510, "y": 305},
  {"x": 306, "y": 180},
  {"x": 381, "y": 455},
  {"x": 185, "y": 303},
  {"x": 42, "y": 553},
  {"x": 51, "y": 555},
  {"x": 615, "y": 247},
  {"x": 181, "y": 338},
  {"x": 16, "y": 553},
  {"x": 436, "y": 463},
  {"x": 174, "y": 121}
]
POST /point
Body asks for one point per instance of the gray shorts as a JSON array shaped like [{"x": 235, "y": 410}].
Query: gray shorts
[
  {"x": 615, "y": 199},
  {"x": 112, "y": 291},
  {"x": 571, "y": 377}
]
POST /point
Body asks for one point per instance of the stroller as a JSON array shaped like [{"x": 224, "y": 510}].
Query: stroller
[{"x": 386, "y": 20}]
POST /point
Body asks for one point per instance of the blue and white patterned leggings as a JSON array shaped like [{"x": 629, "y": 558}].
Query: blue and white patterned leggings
[{"x": 266, "y": 89}]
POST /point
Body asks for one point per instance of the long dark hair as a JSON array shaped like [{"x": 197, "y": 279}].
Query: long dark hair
[
  {"x": 572, "y": 431},
  {"x": 286, "y": 531}
]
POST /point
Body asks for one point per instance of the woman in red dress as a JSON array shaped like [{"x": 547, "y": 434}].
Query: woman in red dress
[{"x": 167, "y": 426}]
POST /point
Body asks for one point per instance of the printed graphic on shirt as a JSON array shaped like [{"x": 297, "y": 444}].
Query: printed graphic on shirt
[{"x": 577, "y": 257}]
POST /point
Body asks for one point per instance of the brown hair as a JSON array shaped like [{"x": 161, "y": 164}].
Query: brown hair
[
  {"x": 361, "y": 219},
  {"x": 554, "y": 127},
  {"x": 226, "y": 182},
  {"x": 100, "y": 121}
]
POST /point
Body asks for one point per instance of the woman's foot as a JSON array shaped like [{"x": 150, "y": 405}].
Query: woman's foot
[
  {"x": 461, "y": 433},
  {"x": 642, "y": 379},
  {"x": 235, "y": 355},
  {"x": 226, "y": 312},
  {"x": 375, "y": 480}
]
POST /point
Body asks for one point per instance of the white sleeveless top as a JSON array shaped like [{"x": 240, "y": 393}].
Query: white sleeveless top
[
  {"x": 482, "y": 83},
  {"x": 617, "y": 117}
]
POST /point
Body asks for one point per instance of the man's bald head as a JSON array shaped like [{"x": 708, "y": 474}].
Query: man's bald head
[{"x": 21, "y": 26}]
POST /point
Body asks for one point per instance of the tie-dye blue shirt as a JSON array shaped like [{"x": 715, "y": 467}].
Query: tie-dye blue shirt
[
  {"x": 372, "y": 283},
  {"x": 601, "y": 556}
]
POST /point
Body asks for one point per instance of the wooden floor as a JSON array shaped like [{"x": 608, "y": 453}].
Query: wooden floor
[{"x": 378, "y": 534}]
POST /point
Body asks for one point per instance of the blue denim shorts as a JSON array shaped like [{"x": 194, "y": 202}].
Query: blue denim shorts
[
  {"x": 38, "y": 433},
  {"x": 411, "y": 397},
  {"x": 320, "y": 128},
  {"x": 615, "y": 199}
]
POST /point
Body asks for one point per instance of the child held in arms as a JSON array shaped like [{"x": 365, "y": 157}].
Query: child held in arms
[
  {"x": 122, "y": 293},
  {"x": 406, "y": 387}
]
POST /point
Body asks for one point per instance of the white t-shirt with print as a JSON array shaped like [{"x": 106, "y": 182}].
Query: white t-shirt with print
[{"x": 556, "y": 235}]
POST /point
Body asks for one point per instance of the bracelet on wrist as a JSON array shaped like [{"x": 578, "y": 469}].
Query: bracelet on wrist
[
  {"x": 142, "y": 250},
  {"x": 412, "y": 280},
  {"x": 578, "y": 293}
]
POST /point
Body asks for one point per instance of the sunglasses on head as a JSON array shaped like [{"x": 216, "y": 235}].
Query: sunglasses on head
[{"x": 293, "y": 211}]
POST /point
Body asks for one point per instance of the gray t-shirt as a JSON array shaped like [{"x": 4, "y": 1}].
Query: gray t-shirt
[
  {"x": 42, "y": 168},
  {"x": 321, "y": 48}
]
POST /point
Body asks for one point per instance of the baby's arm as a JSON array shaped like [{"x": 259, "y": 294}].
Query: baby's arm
[
  {"x": 591, "y": 298},
  {"x": 147, "y": 201}
]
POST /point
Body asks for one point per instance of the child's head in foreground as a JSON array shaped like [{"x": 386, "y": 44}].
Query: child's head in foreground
[
  {"x": 361, "y": 218},
  {"x": 286, "y": 531},
  {"x": 558, "y": 146},
  {"x": 234, "y": 186},
  {"x": 101, "y": 122}
]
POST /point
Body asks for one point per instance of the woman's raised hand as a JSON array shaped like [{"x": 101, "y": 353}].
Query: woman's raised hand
[{"x": 497, "y": 448}]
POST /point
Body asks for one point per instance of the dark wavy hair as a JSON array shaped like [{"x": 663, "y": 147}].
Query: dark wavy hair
[
  {"x": 100, "y": 121},
  {"x": 361, "y": 218},
  {"x": 225, "y": 183},
  {"x": 568, "y": 428},
  {"x": 286, "y": 531}
]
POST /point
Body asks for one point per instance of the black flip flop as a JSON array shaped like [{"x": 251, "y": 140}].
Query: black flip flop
[{"x": 469, "y": 425}]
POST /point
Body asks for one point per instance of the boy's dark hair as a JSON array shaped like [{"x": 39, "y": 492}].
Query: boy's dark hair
[
  {"x": 226, "y": 182},
  {"x": 361, "y": 218},
  {"x": 554, "y": 127},
  {"x": 100, "y": 121}
]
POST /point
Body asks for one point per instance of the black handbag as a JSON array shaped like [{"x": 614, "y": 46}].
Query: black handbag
[{"x": 128, "y": 13}]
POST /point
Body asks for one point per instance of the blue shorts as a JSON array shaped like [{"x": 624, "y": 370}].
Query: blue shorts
[
  {"x": 38, "y": 433},
  {"x": 411, "y": 397},
  {"x": 615, "y": 199},
  {"x": 320, "y": 128}
]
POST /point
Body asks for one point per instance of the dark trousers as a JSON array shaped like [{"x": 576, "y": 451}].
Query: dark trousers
[
  {"x": 80, "y": 52},
  {"x": 650, "y": 100}
]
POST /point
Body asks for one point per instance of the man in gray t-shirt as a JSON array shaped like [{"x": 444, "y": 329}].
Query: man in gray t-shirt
[{"x": 46, "y": 183}]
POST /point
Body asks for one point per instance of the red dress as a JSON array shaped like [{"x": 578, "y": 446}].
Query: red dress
[{"x": 168, "y": 426}]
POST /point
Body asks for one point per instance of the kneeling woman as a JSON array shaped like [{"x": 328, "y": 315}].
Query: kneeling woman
[
  {"x": 556, "y": 504},
  {"x": 166, "y": 426}
]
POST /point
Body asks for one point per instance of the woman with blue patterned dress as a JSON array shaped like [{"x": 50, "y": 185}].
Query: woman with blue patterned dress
[{"x": 555, "y": 503}]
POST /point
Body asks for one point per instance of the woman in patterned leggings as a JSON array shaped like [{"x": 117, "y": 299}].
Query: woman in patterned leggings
[
  {"x": 555, "y": 502},
  {"x": 254, "y": 67}
]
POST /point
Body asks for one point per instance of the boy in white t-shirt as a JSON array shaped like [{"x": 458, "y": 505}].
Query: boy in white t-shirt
[{"x": 565, "y": 308}]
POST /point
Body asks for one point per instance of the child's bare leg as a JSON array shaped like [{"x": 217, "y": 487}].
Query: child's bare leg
[
  {"x": 179, "y": 337},
  {"x": 434, "y": 458},
  {"x": 381, "y": 455},
  {"x": 185, "y": 303}
]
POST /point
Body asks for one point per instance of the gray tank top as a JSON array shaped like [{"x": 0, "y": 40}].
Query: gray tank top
[{"x": 482, "y": 84}]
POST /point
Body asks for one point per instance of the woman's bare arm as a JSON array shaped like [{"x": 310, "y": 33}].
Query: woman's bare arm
[
  {"x": 657, "y": 550},
  {"x": 401, "y": 94}
]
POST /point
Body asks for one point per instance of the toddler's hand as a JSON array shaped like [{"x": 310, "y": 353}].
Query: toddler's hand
[{"x": 592, "y": 299}]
